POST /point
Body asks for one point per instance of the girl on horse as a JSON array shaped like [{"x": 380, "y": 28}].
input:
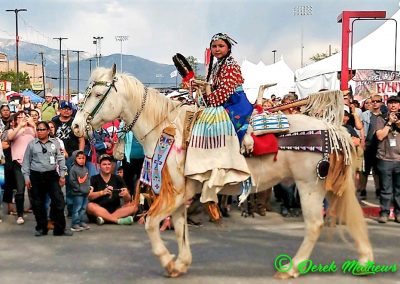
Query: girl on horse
[
  {"x": 225, "y": 84},
  {"x": 221, "y": 126}
]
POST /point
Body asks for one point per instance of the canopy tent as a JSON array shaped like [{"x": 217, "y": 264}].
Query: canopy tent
[
  {"x": 259, "y": 74},
  {"x": 376, "y": 51},
  {"x": 34, "y": 98}
]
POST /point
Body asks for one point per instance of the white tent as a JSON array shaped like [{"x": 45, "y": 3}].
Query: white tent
[
  {"x": 374, "y": 52},
  {"x": 259, "y": 74}
]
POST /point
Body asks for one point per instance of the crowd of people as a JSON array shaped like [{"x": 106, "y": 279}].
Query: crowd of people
[{"x": 63, "y": 174}]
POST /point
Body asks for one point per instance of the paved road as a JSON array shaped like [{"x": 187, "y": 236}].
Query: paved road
[{"x": 240, "y": 251}]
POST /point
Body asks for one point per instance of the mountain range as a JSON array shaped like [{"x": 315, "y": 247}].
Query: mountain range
[{"x": 148, "y": 72}]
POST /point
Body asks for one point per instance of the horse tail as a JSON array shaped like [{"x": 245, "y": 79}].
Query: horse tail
[
  {"x": 165, "y": 202},
  {"x": 345, "y": 207}
]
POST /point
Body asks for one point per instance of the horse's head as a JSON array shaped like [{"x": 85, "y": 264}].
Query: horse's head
[{"x": 101, "y": 103}]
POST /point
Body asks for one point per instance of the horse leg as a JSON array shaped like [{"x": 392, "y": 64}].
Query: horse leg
[
  {"x": 184, "y": 259},
  {"x": 311, "y": 195},
  {"x": 157, "y": 244}
]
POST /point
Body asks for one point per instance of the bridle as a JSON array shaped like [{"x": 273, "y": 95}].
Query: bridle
[{"x": 109, "y": 85}]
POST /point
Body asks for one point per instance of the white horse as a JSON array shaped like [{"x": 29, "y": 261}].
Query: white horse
[{"x": 111, "y": 96}]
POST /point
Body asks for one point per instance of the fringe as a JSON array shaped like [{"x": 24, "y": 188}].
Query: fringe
[
  {"x": 329, "y": 107},
  {"x": 165, "y": 202}
]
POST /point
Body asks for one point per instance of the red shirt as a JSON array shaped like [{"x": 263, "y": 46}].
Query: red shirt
[{"x": 225, "y": 80}]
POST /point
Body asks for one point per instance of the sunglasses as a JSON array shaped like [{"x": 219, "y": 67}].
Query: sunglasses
[
  {"x": 376, "y": 101},
  {"x": 41, "y": 129}
]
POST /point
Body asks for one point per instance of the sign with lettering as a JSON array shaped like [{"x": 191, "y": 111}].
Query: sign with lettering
[
  {"x": 37, "y": 86},
  {"x": 368, "y": 82},
  {"x": 3, "y": 86}
]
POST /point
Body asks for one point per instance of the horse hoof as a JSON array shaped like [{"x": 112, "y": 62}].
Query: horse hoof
[
  {"x": 171, "y": 271},
  {"x": 282, "y": 275}
]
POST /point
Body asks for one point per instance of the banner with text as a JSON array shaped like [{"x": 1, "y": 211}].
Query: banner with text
[{"x": 368, "y": 82}]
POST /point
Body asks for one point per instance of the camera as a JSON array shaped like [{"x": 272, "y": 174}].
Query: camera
[{"x": 117, "y": 189}]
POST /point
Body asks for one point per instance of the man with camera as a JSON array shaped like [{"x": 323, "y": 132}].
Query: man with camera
[
  {"x": 388, "y": 156},
  {"x": 106, "y": 192}
]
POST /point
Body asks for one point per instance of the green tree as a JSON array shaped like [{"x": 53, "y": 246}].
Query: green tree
[
  {"x": 193, "y": 62},
  {"x": 195, "y": 66},
  {"x": 322, "y": 55},
  {"x": 11, "y": 76}
]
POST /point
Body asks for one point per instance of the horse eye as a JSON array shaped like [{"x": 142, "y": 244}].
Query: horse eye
[{"x": 98, "y": 95}]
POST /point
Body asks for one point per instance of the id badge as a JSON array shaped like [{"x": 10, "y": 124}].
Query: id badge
[
  {"x": 392, "y": 142},
  {"x": 52, "y": 160}
]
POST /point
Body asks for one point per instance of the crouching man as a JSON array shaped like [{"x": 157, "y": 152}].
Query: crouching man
[{"x": 106, "y": 192}]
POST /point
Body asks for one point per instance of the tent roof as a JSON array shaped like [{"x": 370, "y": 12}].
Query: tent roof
[
  {"x": 34, "y": 98},
  {"x": 376, "y": 51},
  {"x": 259, "y": 74}
]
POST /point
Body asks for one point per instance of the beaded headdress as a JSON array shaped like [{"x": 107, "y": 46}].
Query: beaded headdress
[{"x": 223, "y": 37}]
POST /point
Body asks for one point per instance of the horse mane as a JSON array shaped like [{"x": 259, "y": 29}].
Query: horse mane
[{"x": 160, "y": 106}]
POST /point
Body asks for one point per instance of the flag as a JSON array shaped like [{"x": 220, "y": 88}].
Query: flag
[{"x": 174, "y": 74}]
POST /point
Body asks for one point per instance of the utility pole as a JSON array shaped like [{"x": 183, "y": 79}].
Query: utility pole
[
  {"x": 43, "y": 78},
  {"x": 68, "y": 81},
  {"x": 63, "y": 76},
  {"x": 77, "y": 52},
  {"x": 59, "y": 73},
  {"x": 17, "y": 41},
  {"x": 97, "y": 42},
  {"x": 90, "y": 65},
  {"x": 121, "y": 39}
]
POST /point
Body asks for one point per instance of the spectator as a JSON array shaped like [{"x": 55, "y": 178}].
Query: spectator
[
  {"x": 41, "y": 160},
  {"x": 80, "y": 184},
  {"x": 35, "y": 114},
  {"x": 26, "y": 105},
  {"x": 389, "y": 160},
  {"x": 64, "y": 131},
  {"x": 133, "y": 161},
  {"x": 39, "y": 106},
  {"x": 49, "y": 108},
  {"x": 120, "y": 172},
  {"x": 104, "y": 197},
  {"x": 22, "y": 133},
  {"x": 369, "y": 119},
  {"x": 9, "y": 186}
]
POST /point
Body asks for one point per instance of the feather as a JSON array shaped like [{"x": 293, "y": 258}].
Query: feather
[{"x": 182, "y": 65}]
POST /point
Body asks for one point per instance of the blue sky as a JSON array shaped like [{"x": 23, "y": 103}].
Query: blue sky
[{"x": 157, "y": 29}]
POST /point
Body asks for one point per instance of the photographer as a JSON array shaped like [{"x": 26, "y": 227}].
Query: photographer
[
  {"x": 389, "y": 159},
  {"x": 49, "y": 108},
  {"x": 20, "y": 135},
  {"x": 106, "y": 190}
]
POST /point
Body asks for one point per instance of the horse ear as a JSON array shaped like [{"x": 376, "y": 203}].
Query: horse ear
[{"x": 114, "y": 69}]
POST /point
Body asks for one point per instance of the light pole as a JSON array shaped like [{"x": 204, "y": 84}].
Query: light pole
[
  {"x": 97, "y": 42},
  {"x": 121, "y": 39},
  {"x": 274, "y": 51},
  {"x": 77, "y": 52},
  {"x": 59, "y": 73},
  {"x": 17, "y": 41},
  {"x": 302, "y": 11}
]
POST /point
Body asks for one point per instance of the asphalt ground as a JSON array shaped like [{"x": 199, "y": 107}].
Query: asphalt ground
[{"x": 241, "y": 250}]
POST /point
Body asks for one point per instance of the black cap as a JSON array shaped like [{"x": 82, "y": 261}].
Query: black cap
[{"x": 392, "y": 99}]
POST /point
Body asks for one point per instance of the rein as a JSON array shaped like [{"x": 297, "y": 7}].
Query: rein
[{"x": 110, "y": 85}]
